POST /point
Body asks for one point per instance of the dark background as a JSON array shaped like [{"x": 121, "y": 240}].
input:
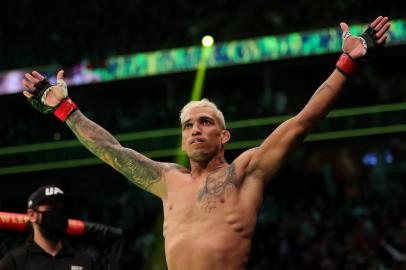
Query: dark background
[{"x": 326, "y": 209}]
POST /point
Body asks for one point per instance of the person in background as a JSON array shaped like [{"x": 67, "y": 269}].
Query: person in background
[{"x": 46, "y": 249}]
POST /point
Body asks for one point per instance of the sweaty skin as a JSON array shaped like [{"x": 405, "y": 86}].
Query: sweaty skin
[{"x": 210, "y": 211}]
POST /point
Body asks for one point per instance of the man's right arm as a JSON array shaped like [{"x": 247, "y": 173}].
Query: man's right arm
[{"x": 140, "y": 170}]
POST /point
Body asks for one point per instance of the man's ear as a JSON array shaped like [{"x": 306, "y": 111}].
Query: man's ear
[
  {"x": 225, "y": 136},
  {"x": 31, "y": 217}
]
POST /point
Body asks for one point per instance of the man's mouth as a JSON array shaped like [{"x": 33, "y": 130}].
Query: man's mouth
[{"x": 196, "y": 140}]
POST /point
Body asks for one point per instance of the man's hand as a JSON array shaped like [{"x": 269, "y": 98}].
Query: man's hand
[
  {"x": 48, "y": 98},
  {"x": 359, "y": 46},
  {"x": 365, "y": 48},
  {"x": 53, "y": 96}
]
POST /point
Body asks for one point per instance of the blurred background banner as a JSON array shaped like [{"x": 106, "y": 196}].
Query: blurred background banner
[{"x": 268, "y": 48}]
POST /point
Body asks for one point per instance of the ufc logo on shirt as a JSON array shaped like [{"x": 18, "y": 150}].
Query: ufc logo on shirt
[
  {"x": 75, "y": 267},
  {"x": 53, "y": 191}
]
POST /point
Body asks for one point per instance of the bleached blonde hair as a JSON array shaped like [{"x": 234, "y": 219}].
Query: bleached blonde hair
[{"x": 202, "y": 103}]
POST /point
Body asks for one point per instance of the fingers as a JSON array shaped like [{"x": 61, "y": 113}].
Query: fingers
[
  {"x": 383, "y": 30},
  {"x": 28, "y": 85},
  {"x": 376, "y": 22},
  {"x": 32, "y": 79},
  {"x": 383, "y": 22},
  {"x": 344, "y": 27},
  {"x": 59, "y": 76},
  {"x": 27, "y": 94},
  {"x": 37, "y": 75},
  {"x": 382, "y": 39},
  {"x": 381, "y": 25}
]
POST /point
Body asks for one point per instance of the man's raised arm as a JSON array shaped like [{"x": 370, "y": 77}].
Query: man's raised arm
[
  {"x": 140, "y": 170},
  {"x": 267, "y": 158}
]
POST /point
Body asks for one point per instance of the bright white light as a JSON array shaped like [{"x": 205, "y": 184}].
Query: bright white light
[{"x": 207, "y": 41}]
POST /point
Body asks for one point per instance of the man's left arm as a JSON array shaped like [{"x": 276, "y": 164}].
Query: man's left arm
[{"x": 267, "y": 158}]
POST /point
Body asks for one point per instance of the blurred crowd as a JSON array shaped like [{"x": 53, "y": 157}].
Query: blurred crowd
[
  {"x": 342, "y": 214},
  {"x": 46, "y": 32}
]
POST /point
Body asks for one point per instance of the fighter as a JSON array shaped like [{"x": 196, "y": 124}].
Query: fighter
[{"x": 210, "y": 211}]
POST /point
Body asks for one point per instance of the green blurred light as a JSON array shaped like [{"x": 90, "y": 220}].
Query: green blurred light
[
  {"x": 132, "y": 136},
  {"x": 200, "y": 75},
  {"x": 123, "y": 137},
  {"x": 197, "y": 92},
  {"x": 322, "y": 136}
]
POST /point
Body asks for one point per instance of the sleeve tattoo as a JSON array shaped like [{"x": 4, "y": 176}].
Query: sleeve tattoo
[{"x": 139, "y": 169}]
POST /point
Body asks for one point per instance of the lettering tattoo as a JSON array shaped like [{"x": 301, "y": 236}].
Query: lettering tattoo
[
  {"x": 218, "y": 184},
  {"x": 140, "y": 170},
  {"x": 322, "y": 87}
]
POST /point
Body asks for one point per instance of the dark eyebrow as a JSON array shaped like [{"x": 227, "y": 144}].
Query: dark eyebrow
[
  {"x": 206, "y": 118},
  {"x": 201, "y": 118}
]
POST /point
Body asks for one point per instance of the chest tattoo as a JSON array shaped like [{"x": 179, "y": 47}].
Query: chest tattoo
[{"x": 216, "y": 187}]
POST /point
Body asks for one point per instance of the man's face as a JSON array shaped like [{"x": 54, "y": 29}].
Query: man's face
[
  {"x": 49, "y": 221},
  {"x": 36, "y": 214},
  {"x": 202, "y": 134}
]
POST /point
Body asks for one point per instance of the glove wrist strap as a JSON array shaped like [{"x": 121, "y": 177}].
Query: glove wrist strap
[
  {"x": 66, "y": 108},
  {"x": 346, "y": 65}
]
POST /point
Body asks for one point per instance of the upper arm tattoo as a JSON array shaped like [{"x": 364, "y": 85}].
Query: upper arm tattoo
[
  {"x": 137, "y": 168},
  {"x": 140, "y": 170}
]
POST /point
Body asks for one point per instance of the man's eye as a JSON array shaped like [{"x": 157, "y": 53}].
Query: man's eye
[{"x": 187, "y": 126}]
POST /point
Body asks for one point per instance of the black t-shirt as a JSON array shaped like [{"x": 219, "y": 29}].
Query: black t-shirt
[{"x": 32, "y": 257}]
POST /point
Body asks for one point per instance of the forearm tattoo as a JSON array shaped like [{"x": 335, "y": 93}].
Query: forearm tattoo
[
  {"x": 140, "y": 170},
  {"x": 218, "y": 184},
  {"x": 322, "y": 87}
]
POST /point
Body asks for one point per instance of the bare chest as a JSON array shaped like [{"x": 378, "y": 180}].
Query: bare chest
[
  {"x": 208, "y": 218},
  {"x": 208, "y": 195}
]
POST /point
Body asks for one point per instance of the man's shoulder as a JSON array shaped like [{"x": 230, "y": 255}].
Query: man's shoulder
[
  {"x": 76, "y": 254},
  {"x": 82, "y": 257},
  {"x": 19, "y": 251},
  {"x": 242, "y": 161},
  {"x": 13, "y": 257},
  {"x": 173, "y": 167}
]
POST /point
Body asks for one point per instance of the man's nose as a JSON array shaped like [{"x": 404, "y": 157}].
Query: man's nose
[{"x": 196, "y": 129}]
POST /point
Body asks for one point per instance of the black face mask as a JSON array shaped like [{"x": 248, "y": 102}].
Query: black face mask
[{"x": 53, "y": 224}]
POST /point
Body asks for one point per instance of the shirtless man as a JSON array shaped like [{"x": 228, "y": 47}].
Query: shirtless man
[{"x": 210, "y": 212}]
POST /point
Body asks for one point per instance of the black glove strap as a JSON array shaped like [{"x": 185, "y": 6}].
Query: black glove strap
[
  {"x": 40, "y": 88},
  {"x": 37, "y": 94},
  {"x": 374, "y": 50}
]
